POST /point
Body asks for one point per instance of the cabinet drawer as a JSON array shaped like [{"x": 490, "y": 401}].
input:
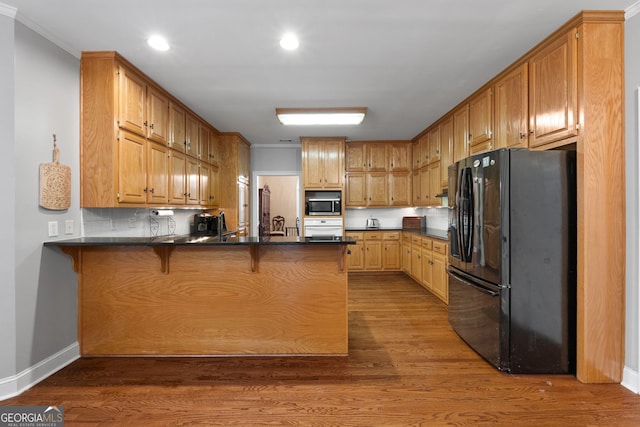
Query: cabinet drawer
[
  {"x": 395, "y": 235},
  {"x": 375, "y": 235},
  {"x": 427, "y": 243},
  {"x": 440, "y": 247},
  {"x": 355, "y": 236},
  {"x": 416, "y": 240},
  {"x": 406, "y": 237}
]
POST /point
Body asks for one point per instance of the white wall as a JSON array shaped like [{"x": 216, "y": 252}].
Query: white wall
[
  {"x": 7, "y": 214},
  {"x": 631, "y": 377}
]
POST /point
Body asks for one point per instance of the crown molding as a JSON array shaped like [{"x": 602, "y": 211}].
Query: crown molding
[
  {"x": 632, "y": 10},
  {"x": 8, "y": 11}
]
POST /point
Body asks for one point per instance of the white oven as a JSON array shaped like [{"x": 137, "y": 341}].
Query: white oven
[{"x": 320, "y": 227}]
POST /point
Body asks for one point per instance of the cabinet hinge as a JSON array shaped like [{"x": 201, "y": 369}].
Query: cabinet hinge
[{"x": 577, "y": 35}]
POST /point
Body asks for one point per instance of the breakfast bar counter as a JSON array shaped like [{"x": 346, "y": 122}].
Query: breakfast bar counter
[{"x": 204, "y": 296}]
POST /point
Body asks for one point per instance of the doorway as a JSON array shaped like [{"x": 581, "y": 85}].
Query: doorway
[{"x": 284, "y": 200}]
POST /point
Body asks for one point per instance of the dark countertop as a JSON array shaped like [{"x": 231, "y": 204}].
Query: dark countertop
[
  {"x": 428, "y": 232},
  {"x": 183, "y": 240}
]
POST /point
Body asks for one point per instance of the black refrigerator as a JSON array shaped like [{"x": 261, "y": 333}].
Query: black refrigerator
[{"x": 512, "y": 260}]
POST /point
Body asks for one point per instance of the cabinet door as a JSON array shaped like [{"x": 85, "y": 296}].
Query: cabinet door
[
  {"x": 376, "y": 189},
  {"x": 400, "y": 189},
  {"x": 434, "y": 184},
  {"x": 193, "y": 181},
  {"x": 391, "y": 255},
  {"x": 406, "y": 258},
  {"x": 132, "y": 180},
  {"x": 446, "y": 148},
  {"x": 427, "y": 268},
  {"x": 177, "y": 177},
  {"x": 434, "y": 144},
  {"x": 214, "y": 149},
  {"x": 425, "y": 150},
  {"x": 355, "y": 157},
  {"x": 416, "y": 187},
  {"x": 131, "y": 101},
  {"x": 425, "y": 187},
  {"x": 373, "y": 255},
  {"x": 205, "y": 189},
  {"x": 376, "y": 156},
  {"x": 417, "y": 155},
  {"x": 157, "y": 173},
  {"x": 214, "y": 187},
  {"x": 333, "y": 165},
  {"x": 461, "y": 133},
  {"x": 481, "y": 119},
  {"x": 192, "y": 146},
  {"x": 512, "y": 109},
  {"x": 553, "y": 92},
  {"x": 439, "y": 282},
  {"x": 416, "y": 263},
  {"x": 355, "y": 258},
  {"x": 243, "y": 161},
  {"x": 356, "y": 190},
  {"x": 312, "y": 156},
  {"x": 204, "y": 135},
  {"x": 157, "y": 116},
  {"x": 400, "y": 156},
  {"x": 177, "y": 124},
  {"x": 243, "y": 206}
]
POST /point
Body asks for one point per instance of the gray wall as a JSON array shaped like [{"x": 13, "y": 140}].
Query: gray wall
[
  {"x": 632, "y": 75},
  {"x": 7, "y": 189}
]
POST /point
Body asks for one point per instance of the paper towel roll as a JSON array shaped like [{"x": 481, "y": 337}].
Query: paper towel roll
[{"x": 163, "y": 212}]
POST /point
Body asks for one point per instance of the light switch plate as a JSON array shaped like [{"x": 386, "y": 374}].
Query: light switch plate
[
  {"x": 53, "y": 228},
  {"x": 68, "y": 226}
]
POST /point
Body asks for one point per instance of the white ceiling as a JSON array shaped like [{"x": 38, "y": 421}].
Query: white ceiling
[{"x": 408, "y": 61}]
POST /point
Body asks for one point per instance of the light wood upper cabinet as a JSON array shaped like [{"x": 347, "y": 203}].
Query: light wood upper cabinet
[
  {"x": 481, "y": 121},
  {"x": 512, "y": 109},
  {"x": 177, "y": 177},
  {"x": 377, "y": 156},
  {"x": 416, "y": 187},
  {"x": 399, "y": 189},
  {"x": 132, "y": 133},
  {"x": 158, "y": 174},
  {"x": 417, "y": 154},
  {"x": 461, "y": 133},
  {"x": 433, "y": 138},
  {"x": 355, "y": 157},
  {"x": 192, "y": 140},
  {"x": 158, "y": 116},
  {"x": 322, "y": 162},
  {"x": 356, "y": 190},
  {"x": 434, "y": 184},
  {"x": 204, "y": 136},
  {"x": 377, "y": 189},
  {"x": 193, "y": 181},
  {"x": 132, "y": 177},
  {"x": 132, "y": 89},
  {"x": 234, "y": 181},
  {"x": 400, "y": 156},
  {"x": 553, "y": 98},
  {"x": 177, "y": 127},
  {"x": 446, "y": 148},
  {"x": 214, "y": 148}
]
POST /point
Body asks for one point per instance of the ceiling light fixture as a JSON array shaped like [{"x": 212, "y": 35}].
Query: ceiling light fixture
[
  {"x": 289, "y": 42},
  {"x": 321, "y": 116},
  {"x": 158, "y": 43}
]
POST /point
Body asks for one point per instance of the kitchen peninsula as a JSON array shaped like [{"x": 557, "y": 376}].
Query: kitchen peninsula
[{"x": 183, "y": 295}]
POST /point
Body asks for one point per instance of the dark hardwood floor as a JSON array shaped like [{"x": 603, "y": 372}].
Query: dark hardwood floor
[{"x": 406, "y": 367}]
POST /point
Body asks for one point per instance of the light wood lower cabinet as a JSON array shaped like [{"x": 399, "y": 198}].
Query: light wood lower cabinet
[
  {"x": 374, "y": 251},
  {"x": 424, "y": 259}
]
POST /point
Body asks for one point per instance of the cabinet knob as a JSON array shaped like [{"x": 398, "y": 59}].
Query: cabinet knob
[
  {"x": 145, "y": 123},
  {"x": 145, "y": 190},
  {"x": 151, "y": 126},
  {"x": 152, "y": 190},
  {"x": 522, "y": 135}
]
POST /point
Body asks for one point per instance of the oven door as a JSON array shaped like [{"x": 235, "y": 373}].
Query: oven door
[{"x": 475, "y": 315}]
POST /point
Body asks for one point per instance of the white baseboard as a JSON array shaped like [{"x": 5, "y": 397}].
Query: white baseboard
[
  {"x": 14, "y": 385},
  {"x": 631, "y": 379}
]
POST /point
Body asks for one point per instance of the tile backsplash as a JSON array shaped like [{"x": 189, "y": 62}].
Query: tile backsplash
[{"x": 134, "y": 222}]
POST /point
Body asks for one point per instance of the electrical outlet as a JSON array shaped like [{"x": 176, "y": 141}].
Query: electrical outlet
[
  {"x": 53, "y": 228},
  {"x": 68, "y": 226}
]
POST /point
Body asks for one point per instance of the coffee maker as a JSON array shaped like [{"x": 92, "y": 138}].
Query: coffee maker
[{"x": 204, "y": 224}]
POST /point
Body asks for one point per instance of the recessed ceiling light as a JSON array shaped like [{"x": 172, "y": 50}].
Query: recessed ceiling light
[
  {"x": 158, "y": 43},
  {"x": 289, "y": 42}
]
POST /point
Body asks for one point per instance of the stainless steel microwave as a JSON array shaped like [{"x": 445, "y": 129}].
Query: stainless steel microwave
[{"x": 325, "y": 207}]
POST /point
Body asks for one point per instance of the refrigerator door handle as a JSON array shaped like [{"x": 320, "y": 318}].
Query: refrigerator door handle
[{"x": 473, "y": 285}]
